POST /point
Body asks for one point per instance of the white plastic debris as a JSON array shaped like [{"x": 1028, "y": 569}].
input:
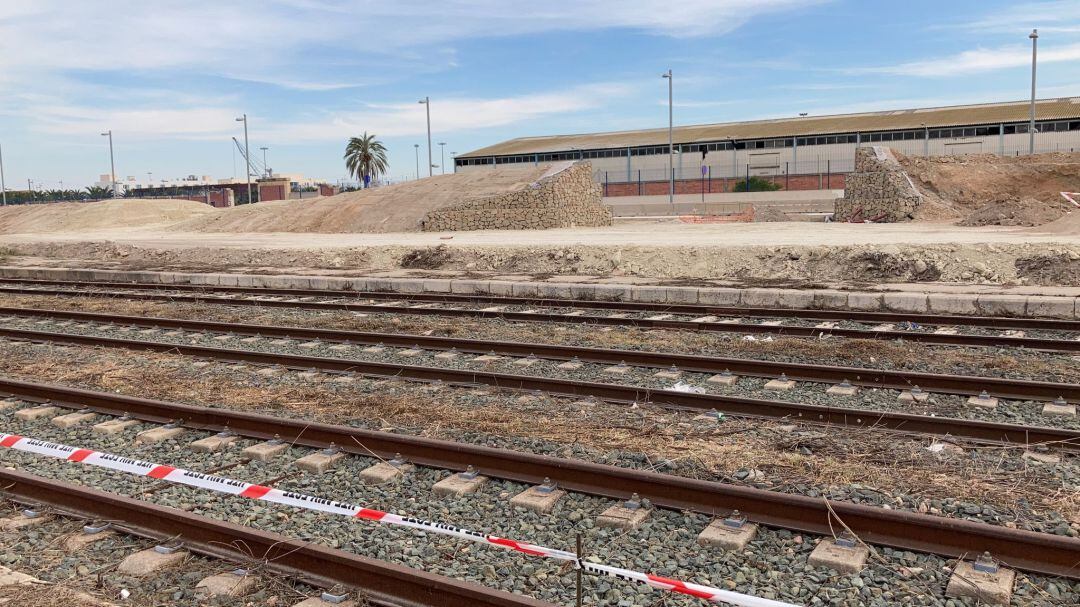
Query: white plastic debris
[{"x": 685, "y": 387}]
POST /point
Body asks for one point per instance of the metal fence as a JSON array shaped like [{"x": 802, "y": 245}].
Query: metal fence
[{"x": 799, "y": 167}]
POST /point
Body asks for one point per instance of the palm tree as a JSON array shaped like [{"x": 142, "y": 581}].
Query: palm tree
[
  {"x": 365, "y": 157},
  {"x": 96, "y": 192}
]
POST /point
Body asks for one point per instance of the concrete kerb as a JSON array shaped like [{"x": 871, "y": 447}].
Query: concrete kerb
[
  {"x": 1038, "y": 306},
  {"x": 905, "y": 302},
  {"x": 1052, "y": 307},
  {"x": 1002, "y": 305},
  {"x": 940, "y": 303}
]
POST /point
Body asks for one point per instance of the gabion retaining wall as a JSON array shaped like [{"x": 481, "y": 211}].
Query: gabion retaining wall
[{"x": 567, "y": 198}]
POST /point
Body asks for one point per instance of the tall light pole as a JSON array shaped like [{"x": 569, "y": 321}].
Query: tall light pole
[
  {"x": 1034, "y": 35},
  {"x": 670, "y": 146},
  {"x": 3, "y": 187},
  {"x": 442, "y": 157},
  {"x": 416, "y": 146},
  {"x": 112, "y": 161},
  {"x": 266, "y": 166},
  {"x": 427, "y": 106},
  {"x": 247, "y": 157}
]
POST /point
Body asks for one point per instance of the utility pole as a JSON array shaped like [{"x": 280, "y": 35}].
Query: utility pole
[
  {"x": 670, "y": 145},
  {"x": 442, "y": 156},
  {"x": 112, "y": 162},
  {"x": 3, "y": 188},
  {"x": 427, "y": 106},
  {"x": 247, "y": 156},
  {"x": 416, "y": 146},
  {"x": 1034, "y": 35}
]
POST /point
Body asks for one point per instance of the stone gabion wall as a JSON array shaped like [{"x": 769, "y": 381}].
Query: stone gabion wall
[
  {"x": 565, "y": 199},
  {"x": 878, "y": 189}
]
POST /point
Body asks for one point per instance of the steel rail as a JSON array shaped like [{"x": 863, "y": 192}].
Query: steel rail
[
  {"x": 971, "y": 429},
  {"x": 385, "y": 583},
  {"x": 994, "y": 322},
  {"x": 1034, "y": 343},
  {"x": 1025, "y": 550},
  {"x": 875, "y": 378}
]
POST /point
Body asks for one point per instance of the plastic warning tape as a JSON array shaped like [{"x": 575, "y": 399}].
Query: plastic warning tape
[{"x": 264, "y": 493}]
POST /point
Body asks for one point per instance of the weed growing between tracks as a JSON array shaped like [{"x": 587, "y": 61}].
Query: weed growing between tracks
[{"x": 865, "y": 466}]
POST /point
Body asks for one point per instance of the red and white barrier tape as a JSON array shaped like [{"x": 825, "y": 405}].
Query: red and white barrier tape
[
  {"x": 1070, "y": 197},
  {"x": 298, "y": 500}
]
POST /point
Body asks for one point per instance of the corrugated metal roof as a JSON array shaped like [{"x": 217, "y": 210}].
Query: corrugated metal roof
[{"x": 989, "y": 113}]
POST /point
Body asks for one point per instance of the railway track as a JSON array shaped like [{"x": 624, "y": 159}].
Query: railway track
[
  {"x": 1065, "y": 439},
  {"x": 380, "y": 583},
  {"x": 873, "y": 378},
  {"x": 1052, "y": 335},
  {"x": 1024, "y": 550}
]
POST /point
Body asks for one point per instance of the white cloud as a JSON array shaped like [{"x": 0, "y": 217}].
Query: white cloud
[
  {"x": 1057, "y": 16},
  {"x": 447, "y": 115},
  {"x": 976, "y": 61},
  {"x": 283, "y": 40}
]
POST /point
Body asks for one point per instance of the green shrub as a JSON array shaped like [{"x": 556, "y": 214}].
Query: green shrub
[{"x": 756, "y": 184}]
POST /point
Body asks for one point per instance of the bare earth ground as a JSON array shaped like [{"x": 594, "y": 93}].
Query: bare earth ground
[
  {"x": 987, "y": 189},
  {"x": 774, "y": 253}
]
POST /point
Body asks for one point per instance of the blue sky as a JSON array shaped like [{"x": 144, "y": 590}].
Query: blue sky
[{"x": 169, "y": 77}]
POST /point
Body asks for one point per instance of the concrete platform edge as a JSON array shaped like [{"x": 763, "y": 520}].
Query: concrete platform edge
[{"x": 1034, "y": 306}]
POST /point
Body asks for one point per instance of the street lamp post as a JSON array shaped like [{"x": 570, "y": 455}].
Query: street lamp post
[
  {"x": 112, "y": 161},
  {"x": 442, "y": 157},
  {"x": 266, "y": 166},
  {"x": 247, "y": 156},
  {"x": 427, "y": 106},
  {"x": 671, "y": 148},
  {"x": 416, "y": 146},
  {"x": 1034, "y": 35},
  {"x": 3, "y": 187}
]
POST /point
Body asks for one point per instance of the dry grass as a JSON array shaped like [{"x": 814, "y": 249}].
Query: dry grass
[
  {"x": 853, "y": 352},
  {"x": 837, "y": 457}
]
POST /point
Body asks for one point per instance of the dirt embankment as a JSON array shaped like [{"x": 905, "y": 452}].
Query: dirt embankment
[
  {"x": 396, "y": 208},
  {"x": 1046, "y": 264},
  {"x": 985, "y": 189},
  {"x": 106, "y": 214}
]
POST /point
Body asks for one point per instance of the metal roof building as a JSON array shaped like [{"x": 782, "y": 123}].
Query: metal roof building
[{"x": 802, "y": 143}]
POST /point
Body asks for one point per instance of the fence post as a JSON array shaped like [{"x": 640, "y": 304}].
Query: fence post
[
  {"x": 639, "y": 182},
  {"x": 828, "y": 174},
  {"x": 748, "y": 177}
]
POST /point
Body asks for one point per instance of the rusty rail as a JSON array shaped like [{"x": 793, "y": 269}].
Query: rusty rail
[
  {"x": 874, "y": 378},
  {"x": 963, "y": 428},
  {"x": 382, "y": 582},
  {"x": 1025, "y": 550},
  {"x": 1034, "y": 343}
]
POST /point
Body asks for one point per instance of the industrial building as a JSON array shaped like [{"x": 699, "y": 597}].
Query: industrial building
[{"x": 804, "y": 152}]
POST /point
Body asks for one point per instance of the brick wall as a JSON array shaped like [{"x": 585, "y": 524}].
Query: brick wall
[
  {"x": 722, "y": 184},
  {"x": 218, "y": 198}
]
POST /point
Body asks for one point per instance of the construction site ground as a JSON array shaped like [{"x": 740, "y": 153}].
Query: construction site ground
[{"x": 791, "y": 253}]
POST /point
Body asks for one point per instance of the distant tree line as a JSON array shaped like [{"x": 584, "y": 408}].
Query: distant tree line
[{"x": 31, "y": 196}]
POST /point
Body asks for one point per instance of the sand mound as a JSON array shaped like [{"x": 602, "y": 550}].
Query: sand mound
[
  {"x": 77, "y": 216},
  {"x": 1069, "y": 224},
  {"x": 396, "y": 208},
  {"x": 985, "y": 189}
]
